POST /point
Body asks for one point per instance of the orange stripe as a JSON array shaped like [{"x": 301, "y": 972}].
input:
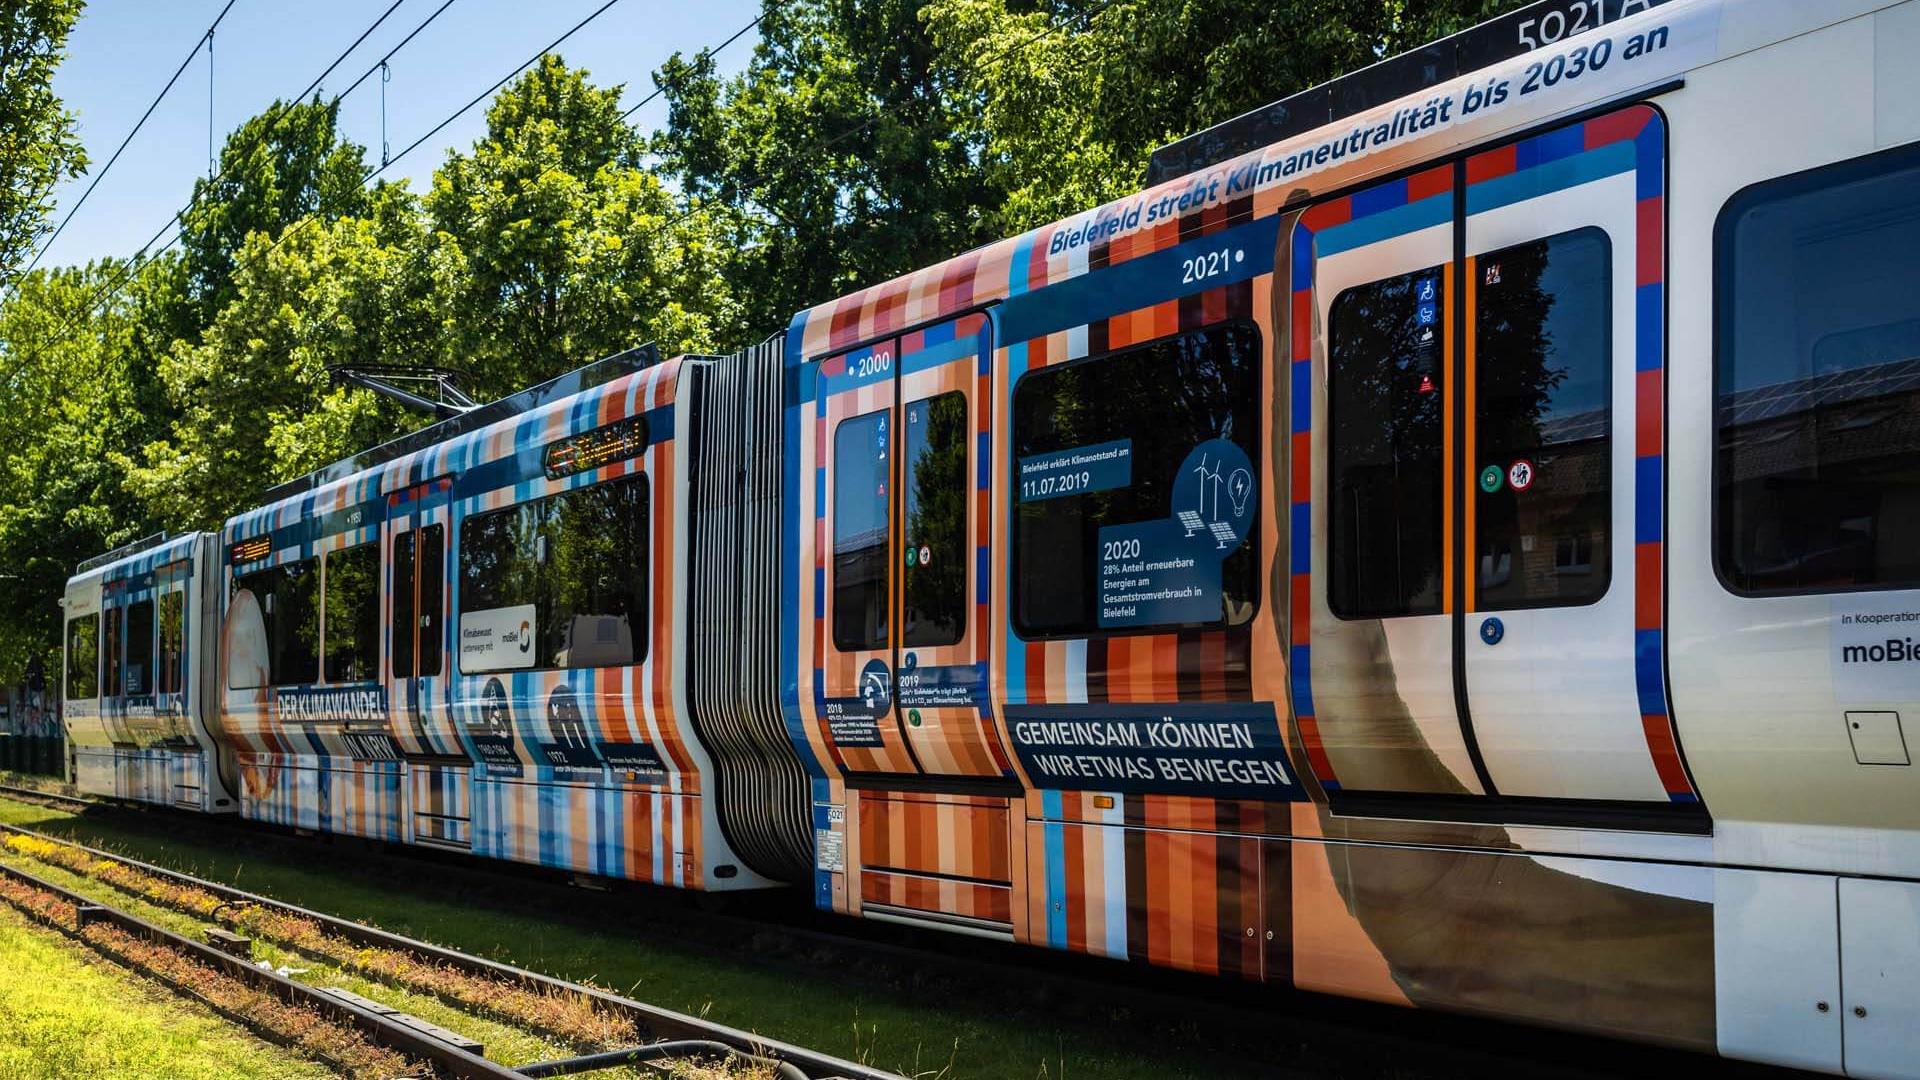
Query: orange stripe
[{"x": 1468, "y": 582}]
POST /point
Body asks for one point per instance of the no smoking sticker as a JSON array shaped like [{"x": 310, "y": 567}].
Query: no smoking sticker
[{"x": 1520, "y": 475}]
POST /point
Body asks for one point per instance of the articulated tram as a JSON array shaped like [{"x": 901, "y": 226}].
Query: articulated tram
[{"x": 1453, "y": 539}]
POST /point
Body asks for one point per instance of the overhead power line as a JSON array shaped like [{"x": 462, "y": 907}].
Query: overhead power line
[
  {"x": 205, "y": 39},
  {"x": 272, "y": 119},
  {"x": 714, "y": 51}
]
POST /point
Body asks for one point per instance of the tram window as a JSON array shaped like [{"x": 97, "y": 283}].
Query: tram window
[
  {"x": 1385, "y": 425},
  {"x": 400, "y": 656},
  {"x": 110, "y": 680},
  {"x": 288, "y": 597},
  {"x": 139, "y": 677},
  {"x": 1817, "y": 380},
  {"x": 1135, "y": 416},
  {"x": 1542, "y": 382},
  {"x": 861, "y": 565},
  {"x": 418, "y": 572},
  {"x": 433, "y": 581},
  {"x": 352, "y": 613},
  {"x": 595, "y": 576},
  {"x": 173, "y": 641},
  {"x": 578, "y": 560},
  {"x": 83, "y": 658},
  {"x": 935, "y": 518}
]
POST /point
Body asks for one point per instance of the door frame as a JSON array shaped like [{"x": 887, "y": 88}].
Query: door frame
[{"x": 1684, "y": 812}]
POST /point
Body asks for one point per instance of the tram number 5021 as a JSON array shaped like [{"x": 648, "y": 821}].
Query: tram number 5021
[{"x": 1577, "y": 16}]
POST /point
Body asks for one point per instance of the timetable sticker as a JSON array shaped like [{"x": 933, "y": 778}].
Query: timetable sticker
[
  {"x": 1076, "y": 470},
  {"x": 1168, "y": 570}
]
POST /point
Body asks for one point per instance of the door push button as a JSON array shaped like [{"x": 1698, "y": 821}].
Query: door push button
[
  {"x": 1491, "y": 631},
  {"x": 1877, "y": 739}
]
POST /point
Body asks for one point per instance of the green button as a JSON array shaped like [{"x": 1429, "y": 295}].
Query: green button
[{"x": 1490, "y": 479}]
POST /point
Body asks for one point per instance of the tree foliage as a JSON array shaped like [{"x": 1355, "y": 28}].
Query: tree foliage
[{"x": 38, "y": 147}]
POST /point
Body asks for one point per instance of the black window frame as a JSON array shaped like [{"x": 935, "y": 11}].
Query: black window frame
[
  {"x": 152, "y": 629},
  {"x": 170, "y": 668},
  {"x": 1611, "y": 362},
  {"x": 1774, "y": 189},
  {"x": 1328, "y": 470},
  {"x": 274, "y": 675},
  {"x": 1256, "y": 454},
  {"x": 363, "y": 549},
  {"x": 909, "y": 496},
  {"x": 92, "y": 617},
  {"x": 888, "y": 629}
]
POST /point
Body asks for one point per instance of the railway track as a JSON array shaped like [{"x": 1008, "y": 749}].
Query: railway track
[
  {"x": 1320, "y": 1036},
  {"x": 659, "y": 1035}
]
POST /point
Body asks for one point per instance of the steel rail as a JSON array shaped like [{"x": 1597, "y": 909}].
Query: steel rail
[
  {"x": 449, "y": 1059},
  {"x": 661, "y": 1023},
  {"x": 35, "y": 793}
]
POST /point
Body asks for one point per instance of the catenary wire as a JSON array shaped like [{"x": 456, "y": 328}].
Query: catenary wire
[{"x": 205, "y": 35}]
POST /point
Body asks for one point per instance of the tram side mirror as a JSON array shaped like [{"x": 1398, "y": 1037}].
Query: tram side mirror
[{"x": 540, "y": 550}]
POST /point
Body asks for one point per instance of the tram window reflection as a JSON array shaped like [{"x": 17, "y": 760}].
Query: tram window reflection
[
  {"x": 353, "y": 613},
  {"x": 573, "y": 568},
  {"x": 934, "y": 520},
  {"x": 1542, "y": 434},
  {"x": 861, "y": 564},
  {"x": 1385, "y": 393},
  {"x": 1817, "y": 380},
  {"x": 83, "y": 658},
  {"x": 1159, "y": 402}
]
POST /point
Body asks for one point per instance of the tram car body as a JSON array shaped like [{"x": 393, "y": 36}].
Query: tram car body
[{"x": 1452, "y": 540}]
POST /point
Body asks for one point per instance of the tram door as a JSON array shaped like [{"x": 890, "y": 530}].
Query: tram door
[
  {"x": 1563, "y": 378},
  {"x": 417, "y": 529},
  {"x": 903, "y": 641},
  {"x": 1486, "y": 615}
]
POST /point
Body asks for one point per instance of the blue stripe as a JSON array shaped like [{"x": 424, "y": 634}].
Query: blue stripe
[
  {"x": 1051, "y": 808},
  {"x": 1648, "y": 343},
  {"x": 1141, "y": 282},
  {"x": 1556, "y": 145},
  {"x": 1302, "y": 257},
  {"x": 944, "y": 352},
  {"x": 1300, "y": 660},
  {"x": 1532, "y": 182},
  {"x": 983, "y": 461},
  {"x": 1646, "y": 499},
  {"x": 1384, "y": 225},
  {"x": 1381, "y": 198},
  {"x": 1650, "y": 151},
  {"x": 1646, "y": 673}
]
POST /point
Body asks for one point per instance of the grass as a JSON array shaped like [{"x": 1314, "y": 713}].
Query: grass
[
  {"x": 65, "y": 1013},
  {"x": 896, "y": 1024},
  {"x": 504, "y": 1043}
]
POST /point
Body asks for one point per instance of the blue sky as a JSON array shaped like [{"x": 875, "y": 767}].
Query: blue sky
[{"x": 122, "y": 52}]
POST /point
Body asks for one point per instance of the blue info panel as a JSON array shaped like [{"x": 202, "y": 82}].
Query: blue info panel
[
  {"x": 1219, "y": 750},
  {"x": 1077, "y": 470},
  {"x": 1167, "y": 571}
]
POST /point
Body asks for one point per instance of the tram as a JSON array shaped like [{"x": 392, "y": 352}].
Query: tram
[{"x": 1453, "y": 539}]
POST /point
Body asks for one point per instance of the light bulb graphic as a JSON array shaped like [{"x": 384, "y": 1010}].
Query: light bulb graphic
[{"x": 1239, "y": 488}]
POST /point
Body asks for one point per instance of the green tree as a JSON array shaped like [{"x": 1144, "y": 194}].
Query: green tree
[
  {"x": 38, "y": 147},
  {"x": 254, "y": 397},
  {"x": 276, "y": 169},
  {"x": 839, "y": 158},
  {"x": 66, "y": 404},
  {"x": 1068, "y": 99},
  {"x": 557, "y": 248}
]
